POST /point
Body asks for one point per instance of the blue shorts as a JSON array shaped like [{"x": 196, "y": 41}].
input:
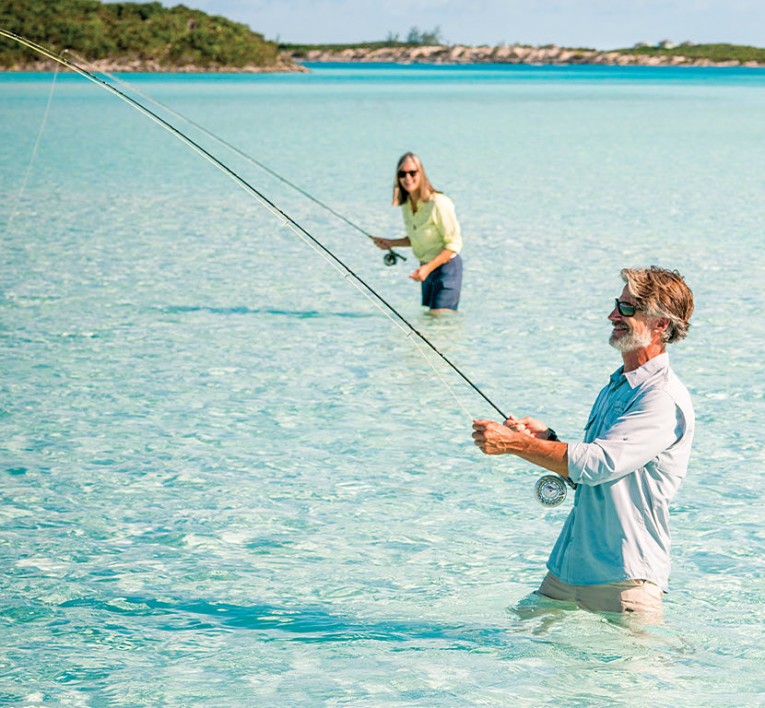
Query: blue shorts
[{"x": 441, "y": 289}]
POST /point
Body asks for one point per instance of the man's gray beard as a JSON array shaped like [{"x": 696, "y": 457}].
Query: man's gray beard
[{"x": 630, "y": 342}]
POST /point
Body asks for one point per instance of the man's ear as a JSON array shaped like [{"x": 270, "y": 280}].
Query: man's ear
[{"x": 662, "y": 324}]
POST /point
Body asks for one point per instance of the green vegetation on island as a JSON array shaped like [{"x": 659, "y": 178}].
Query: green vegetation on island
[
  {"x": 415, "y": 38},
  {"x": 416, "y": 41},
  {"x": 149, "y": 36},
  {"x": 138, "y": 33},
  {"x": 715, "y": 53}
]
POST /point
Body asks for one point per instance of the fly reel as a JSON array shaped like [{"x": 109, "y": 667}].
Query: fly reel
[
  {"x": 551, "y": 490},
  {"x": 391, "y": 258}
]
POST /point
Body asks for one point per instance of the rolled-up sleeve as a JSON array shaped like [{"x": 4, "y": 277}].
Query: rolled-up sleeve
[
  {"x": 445, "y": 217},
  {"x": 649, "y": 427}
]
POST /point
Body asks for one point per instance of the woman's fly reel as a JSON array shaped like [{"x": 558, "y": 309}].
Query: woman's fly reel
[
  {"x": 550, "y": 490},
  {"x": 391, "y": 258}
]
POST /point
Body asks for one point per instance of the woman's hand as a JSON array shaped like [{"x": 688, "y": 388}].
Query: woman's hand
[
  {"x": 421, "y": 273},
  {"x": 425, "y": 270}
]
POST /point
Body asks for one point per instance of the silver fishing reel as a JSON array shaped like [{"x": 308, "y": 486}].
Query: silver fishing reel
[{"x": 550, "y": 490}]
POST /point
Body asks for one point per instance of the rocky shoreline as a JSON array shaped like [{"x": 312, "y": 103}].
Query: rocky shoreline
[
  {"x": 293, "y": 61},
  {"x": 285, "y": 64},
  {"x": 503, "y": 54}
]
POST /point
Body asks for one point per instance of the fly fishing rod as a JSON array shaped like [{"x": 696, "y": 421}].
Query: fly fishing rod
[
  {"x": 272, "y": 207},
  {"x": 390, "y": 258},
  {"x": 550, "y": 489}
]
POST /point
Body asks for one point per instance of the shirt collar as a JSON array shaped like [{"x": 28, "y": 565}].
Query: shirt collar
[
  {"x": 420, "y": 202},
  {"x": 642, "y": 373}
]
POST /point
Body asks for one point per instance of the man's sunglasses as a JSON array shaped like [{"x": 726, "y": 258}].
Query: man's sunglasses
[
  {"x": 404, "y": 173},
  {"x": 626, "y": 309}
]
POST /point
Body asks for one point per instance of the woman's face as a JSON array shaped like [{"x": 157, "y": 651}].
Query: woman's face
[{"x": 409, "y": 176}]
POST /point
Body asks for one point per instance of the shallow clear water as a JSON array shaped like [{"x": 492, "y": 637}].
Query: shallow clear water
[{"x": 229, "y": 479}]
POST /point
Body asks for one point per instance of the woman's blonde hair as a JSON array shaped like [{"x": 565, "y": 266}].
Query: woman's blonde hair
[
  {"x": 662, "y": 293},
  {"x": 400, "y": 195}
]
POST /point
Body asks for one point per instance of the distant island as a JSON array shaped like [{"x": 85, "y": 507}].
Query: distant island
[
  {"x": 125, "y": 36},
  {"x": 662, "y": 54}
]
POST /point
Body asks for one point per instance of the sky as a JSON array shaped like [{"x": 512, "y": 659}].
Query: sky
[{"x": 597, "y": 24}]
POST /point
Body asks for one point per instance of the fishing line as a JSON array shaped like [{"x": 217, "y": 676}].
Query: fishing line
[
  {"x": 381, "y": 303},
  {"x": 390, "y": 258},
  {"x": 33, "y": 156}
]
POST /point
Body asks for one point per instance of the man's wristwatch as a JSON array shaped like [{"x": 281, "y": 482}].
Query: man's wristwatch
[{"x": 551, "y": 435}]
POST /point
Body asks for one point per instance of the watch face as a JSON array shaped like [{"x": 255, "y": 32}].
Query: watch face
[{"x": 550, "y": 490}]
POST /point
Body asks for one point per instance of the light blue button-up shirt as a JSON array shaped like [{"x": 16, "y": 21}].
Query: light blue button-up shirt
[{"x": 633, "y": 459}]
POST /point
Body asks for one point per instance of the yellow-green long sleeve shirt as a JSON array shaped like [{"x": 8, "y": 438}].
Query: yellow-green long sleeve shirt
[{"x": 432, "y": 228}]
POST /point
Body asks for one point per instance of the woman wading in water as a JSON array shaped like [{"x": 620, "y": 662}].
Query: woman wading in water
[{"x": 433, "y": 232}]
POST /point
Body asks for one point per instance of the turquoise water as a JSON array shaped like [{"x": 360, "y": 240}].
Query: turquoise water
[{"x": 229, "y": 480}]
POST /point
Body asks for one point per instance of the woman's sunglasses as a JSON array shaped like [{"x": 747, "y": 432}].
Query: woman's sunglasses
[
  {"x": 626, "y": 309},
  {"x": 404, "y": 173}
]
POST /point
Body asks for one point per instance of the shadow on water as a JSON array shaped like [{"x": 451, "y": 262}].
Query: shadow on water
[
  {"x": 274, "y": 312},
  {"x": 308, "y": 624},
  {"x": 527, "y": 624}
]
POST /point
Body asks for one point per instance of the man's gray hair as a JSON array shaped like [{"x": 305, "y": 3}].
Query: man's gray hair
[{"x": 662, "y": 293}]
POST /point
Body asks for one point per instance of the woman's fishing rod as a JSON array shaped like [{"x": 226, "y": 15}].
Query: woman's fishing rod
[
  {"x": 301, "y": 232},
  {"x": 390, "y": 258}
]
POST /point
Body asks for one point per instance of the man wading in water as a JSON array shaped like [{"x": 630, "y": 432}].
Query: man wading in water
[{"x": 612, "y": 554}]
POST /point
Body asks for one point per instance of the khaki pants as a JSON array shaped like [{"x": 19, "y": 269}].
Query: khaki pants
[{"x": 639, "y": 596}]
